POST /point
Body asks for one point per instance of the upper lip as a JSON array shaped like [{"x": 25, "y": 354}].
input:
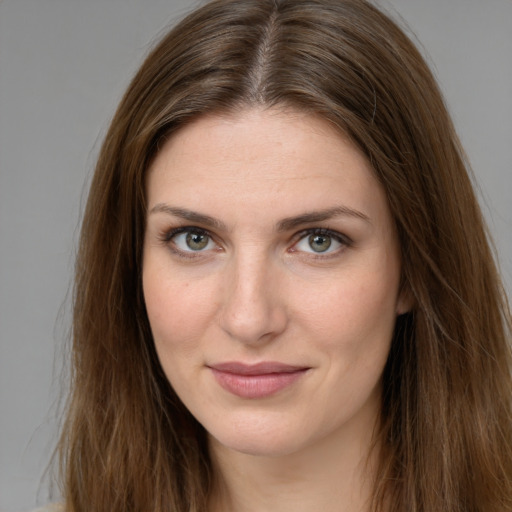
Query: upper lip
[{"x": 263, "y": 368}]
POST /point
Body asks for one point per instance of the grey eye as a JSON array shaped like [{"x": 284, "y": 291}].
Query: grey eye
[
  {"x": 196, "y": 241},
  {"x": 319, "y": 243},
  {"x": 192, "y": 241}
]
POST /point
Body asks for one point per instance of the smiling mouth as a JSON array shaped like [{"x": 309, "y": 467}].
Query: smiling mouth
[{"x": 256, "y": 381}]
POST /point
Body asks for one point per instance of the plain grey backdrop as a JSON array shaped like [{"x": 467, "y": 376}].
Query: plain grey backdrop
[{"x": 63, "y": 67}]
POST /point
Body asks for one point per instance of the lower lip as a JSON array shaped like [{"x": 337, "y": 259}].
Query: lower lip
[{"x": 256, "y": 386}]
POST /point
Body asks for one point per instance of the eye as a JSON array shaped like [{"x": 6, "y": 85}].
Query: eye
[
  {"x": 191, "y": 240},
  {"x": 320, "y": 241}
]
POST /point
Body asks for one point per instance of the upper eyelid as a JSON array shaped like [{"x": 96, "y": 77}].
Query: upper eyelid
[
  {"x": 324, "y": 231},
  {"x": 169, "y": 233}
]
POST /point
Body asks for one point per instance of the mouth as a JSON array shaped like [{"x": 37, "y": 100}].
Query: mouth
[{"x": 253, "y": 381}]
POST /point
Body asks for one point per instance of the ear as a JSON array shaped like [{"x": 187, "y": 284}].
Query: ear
[{"x": 405, "y": 302}]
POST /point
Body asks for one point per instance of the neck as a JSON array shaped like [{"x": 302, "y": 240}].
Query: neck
[{"x": 335, "y": 474}]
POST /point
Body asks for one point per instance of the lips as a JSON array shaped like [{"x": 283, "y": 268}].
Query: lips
[{"x": 258, "y": 380}]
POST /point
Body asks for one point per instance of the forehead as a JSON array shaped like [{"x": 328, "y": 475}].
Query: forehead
[{"x": 258, "y": 158}]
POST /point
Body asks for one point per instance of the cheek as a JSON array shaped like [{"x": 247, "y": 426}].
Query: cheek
[
  {"x": 352, "y": 328},
  {"x": 179, "y": 311},
  {"x": 356, "y": 317}
]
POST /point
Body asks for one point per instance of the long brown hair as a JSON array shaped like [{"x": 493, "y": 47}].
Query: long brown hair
[{"x": 128, "y": 443}]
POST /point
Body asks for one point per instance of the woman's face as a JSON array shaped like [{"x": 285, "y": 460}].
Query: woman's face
[{"x": 271, "y": 279}]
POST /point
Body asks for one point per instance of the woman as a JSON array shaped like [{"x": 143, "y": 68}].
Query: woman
[{"x": 285, "y": 297}]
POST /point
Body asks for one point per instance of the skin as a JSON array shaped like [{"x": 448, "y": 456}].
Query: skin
[{"x": 259, "y": 291}]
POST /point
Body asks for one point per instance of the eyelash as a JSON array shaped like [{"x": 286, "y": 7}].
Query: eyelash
[{"x": 167, "y": 236}]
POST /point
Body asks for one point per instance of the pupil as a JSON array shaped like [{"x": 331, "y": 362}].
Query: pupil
[
  {"x": 319, "y": 243},
  {"x": 196, "y": 241}
]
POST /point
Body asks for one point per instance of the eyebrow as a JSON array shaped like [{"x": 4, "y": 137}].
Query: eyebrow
[
  {"x": 183, "y": 213},
  {"x": 286, "y": 224},
  {"x": 320, "y": 215}
]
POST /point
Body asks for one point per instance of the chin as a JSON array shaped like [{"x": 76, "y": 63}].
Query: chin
[
  {"x": 259, "y": 447},
  {"x": 261, "y": 438}
]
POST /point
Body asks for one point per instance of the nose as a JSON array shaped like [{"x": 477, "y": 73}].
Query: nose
[{"x": 254, "y": 305}]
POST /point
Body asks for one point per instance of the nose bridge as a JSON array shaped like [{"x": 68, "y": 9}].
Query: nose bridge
[{"x": 253, "y": 307}]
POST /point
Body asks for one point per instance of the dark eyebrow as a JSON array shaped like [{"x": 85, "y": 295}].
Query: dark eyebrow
[
  {"x": 283, "y": 225},
  {"x": 190, "y": 215},
  {"x": 320, "y": 215}
]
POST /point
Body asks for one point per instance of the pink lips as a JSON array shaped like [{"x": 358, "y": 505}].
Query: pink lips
[{"x": 258, "y": 380}]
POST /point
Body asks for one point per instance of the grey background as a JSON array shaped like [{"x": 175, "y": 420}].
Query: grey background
[{"x": 63, "y": 67}]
